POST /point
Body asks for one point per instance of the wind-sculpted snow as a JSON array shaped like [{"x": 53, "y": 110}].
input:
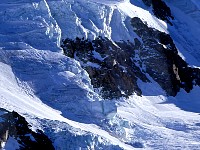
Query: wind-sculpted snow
[
  {"x": 54, "y": 93},
  {"x": 31, "y": 78},
  {"x": 93, "y": 18},
  {"x": 28, "y": 22}
]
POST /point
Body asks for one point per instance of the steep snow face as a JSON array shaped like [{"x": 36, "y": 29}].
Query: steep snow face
[
  {"x": 36, "y": 80},
  {"x": 94, "y": 18},
  {"x": 81, "y": 18},
  {"x": 29, "y": 38},
  {"x": 55, "y": 94},
  {"x": 185, "y": 31},
  {"x": 30, "y": 23}
]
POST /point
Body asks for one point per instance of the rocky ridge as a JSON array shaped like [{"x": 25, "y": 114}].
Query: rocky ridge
[
  {"x": 162, "y": 60},
  {"x": 115, "y": 67},
  {"x": 111, "y": 67},
  {"x": 14, "y": 126},
  {"x": 140, "y": 119}
]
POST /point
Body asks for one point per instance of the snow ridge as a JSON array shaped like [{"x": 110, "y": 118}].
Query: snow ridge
[{"x": 48, "y": 88}]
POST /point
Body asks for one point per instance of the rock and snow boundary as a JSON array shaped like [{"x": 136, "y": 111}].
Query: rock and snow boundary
[{"x": 54, "y": 93}]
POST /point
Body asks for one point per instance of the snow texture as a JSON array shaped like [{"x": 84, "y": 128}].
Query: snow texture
[{"x": 54, "y": 93}]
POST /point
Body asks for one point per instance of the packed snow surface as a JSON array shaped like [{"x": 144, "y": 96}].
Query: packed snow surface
[{"x": 43, "y": 85}]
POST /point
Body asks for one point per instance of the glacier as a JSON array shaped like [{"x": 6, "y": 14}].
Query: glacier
[{"x": 54, "y": 93}]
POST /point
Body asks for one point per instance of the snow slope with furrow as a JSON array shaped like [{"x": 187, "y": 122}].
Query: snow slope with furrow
[{"x": 42, "y": 84}]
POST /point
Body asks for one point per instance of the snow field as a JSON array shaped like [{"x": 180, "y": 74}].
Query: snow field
[{"x": 40, "y": 83}]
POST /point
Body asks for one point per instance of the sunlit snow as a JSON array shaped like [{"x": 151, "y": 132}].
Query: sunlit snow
[{"x": 40, "y": 83}]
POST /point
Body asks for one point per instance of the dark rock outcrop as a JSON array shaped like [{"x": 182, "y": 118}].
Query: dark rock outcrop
[
  {"x": 14, "y": 125},
  {"x": 115, "y": 67},
  {"x": 111, "y": 67},
  {"x": 162, "y": 61},
  {"x": 160, "y": 10},
  {"x": 147, "y": 2}
]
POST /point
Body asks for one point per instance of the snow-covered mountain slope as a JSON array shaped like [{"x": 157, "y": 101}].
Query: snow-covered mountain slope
[
  {"x": 54, "y": 93},
  {"x": 185, "y": 31}
]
